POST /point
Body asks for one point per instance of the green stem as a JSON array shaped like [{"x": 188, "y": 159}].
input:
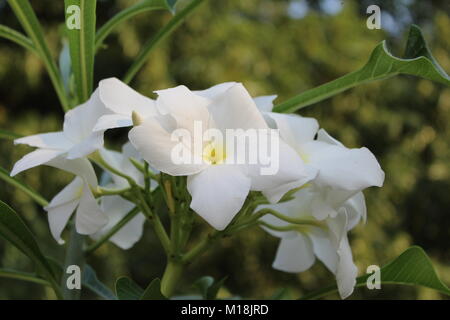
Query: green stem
[
  {"x": 155, "y": 221},
  {"x": 171, "y": 278},
  {"x": 74, "y": 256},
  {"x": 17, "y": 37},
  {"x": 130, "y": 215},
  {"x": 283, "y": 217}
]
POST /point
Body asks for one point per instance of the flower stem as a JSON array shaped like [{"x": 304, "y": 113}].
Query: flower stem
[
  {"x": 74, "y": 256},
  {"x": 171, "y": 277}
]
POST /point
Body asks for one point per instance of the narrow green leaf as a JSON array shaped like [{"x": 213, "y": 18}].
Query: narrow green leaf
[
  {"x": 91, "y": 282},
  {"x": 17, "y": 37},
  {"x": 127, "y": 289},
  {"x": 4, "y": 175},
  {"x": 24, "y": 276},
  {"x": 412, "y": 268},
  {"x": 14, "y": 230},
  {"x": 173, "y": 24},
  {"x": 82, "y": 43},
  {"x": 417, "y": 61},
  {"x": 9, "y": 135},
  {"x": 153, "y": 291},
  {"x": 27, "y": 18},
  {"x": 128, "y": 13}
]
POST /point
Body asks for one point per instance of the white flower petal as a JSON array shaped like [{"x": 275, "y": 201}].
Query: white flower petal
[
  {"x": 218, "y": 193},
  {"x": 214, "y": 91},
  {"x": 294, "y": 254},
  {"x": 112, "y": 121},
  {"x": 323, "y": 136},
  {"x": 80, "y": 121},
  {"x": 185, "y": 107},
  {"x": 235, "y": 109},
  {"x": 71, "y": 192},
  {"x": 292, "y": 173},
  {"x": 116, "y": 209},
  {"x": 121, "y": 99},
  {"x": 356, "y": 210},
  {"x": 62, "y": 206},
  {"x": 324, "y": 249},
  {"x": 58, "y": 217},
  {"x": 34, "y": 159},
  {"x": 265, "y": 103},
  {"x": 342, "y": 168},
  {"x": 79, "y": 167},
  {"x": 89, "y": 217},
  {"x": 155, "y": 145},
  {"x": 346, "y": 270},
  {"x": 90, "y": 144},
  {"x": 294, "y": 129},
  {"x": 51, "y": 140}
]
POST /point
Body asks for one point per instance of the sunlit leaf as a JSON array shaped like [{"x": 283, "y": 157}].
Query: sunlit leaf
[
  {"x": 417, "y": 61},
  {"x": 413, "y": 268}
]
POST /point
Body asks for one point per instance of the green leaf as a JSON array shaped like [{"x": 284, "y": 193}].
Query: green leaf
[
  {"x": 24, "y": 276},
  {"x": 27, "y": 18},
  {"x": 127, "y": 289},
  {"x": 14, "y": 230},
  {"x": 173, "y": 24},
  {"x": 82, "y": 44},
  {"x": 412, "y": 268},
  {"x": 128, "y": 13},
  {"x": 9, "y": 135},
  {"x": 17, "y": 37},
  {"x": 153, "y": 291},
  {"x": 4, "y": 175},
  {"x": 91, "y": 282},
  {"x": 417, "y": 61},
  {"x": 208, "y": 287}
]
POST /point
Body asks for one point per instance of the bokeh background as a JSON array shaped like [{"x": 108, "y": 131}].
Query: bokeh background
[{"x": 282, "y": 47}]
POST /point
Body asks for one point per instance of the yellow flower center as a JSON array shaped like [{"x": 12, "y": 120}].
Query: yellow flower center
[{"x": 214, "y": 153}]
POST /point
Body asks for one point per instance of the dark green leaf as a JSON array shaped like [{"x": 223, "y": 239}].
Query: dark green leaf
[
  {"x": 91, "y": 282},
  {"x": 153, "y": 291},
  {"x": 412, "y": 268},
  {"x": 14, "y": 230},
  {"x": 24, "y": 276},
  {"x": 127, "y": 289},
  {"x": 417, "y": 61}
]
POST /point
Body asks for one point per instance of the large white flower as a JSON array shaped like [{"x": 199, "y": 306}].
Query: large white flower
[
  {"x": 76, "y": 141},
  {"x": 218, "y": 188}
]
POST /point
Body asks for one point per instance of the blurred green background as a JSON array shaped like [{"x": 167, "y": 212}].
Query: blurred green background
[{"x": 281, "y": 47}]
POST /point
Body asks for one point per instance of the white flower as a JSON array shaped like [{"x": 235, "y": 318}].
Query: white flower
[
  {"x": 76, "y": 141},
  {"x": 218, "y": 189},
  {"x": 121, "y": 101},
  {"x": 77, "y": 195},
  {"x": 327, "y": 241}
]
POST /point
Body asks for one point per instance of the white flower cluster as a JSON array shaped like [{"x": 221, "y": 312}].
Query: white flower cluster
[{"x": 327, "y": 178}]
